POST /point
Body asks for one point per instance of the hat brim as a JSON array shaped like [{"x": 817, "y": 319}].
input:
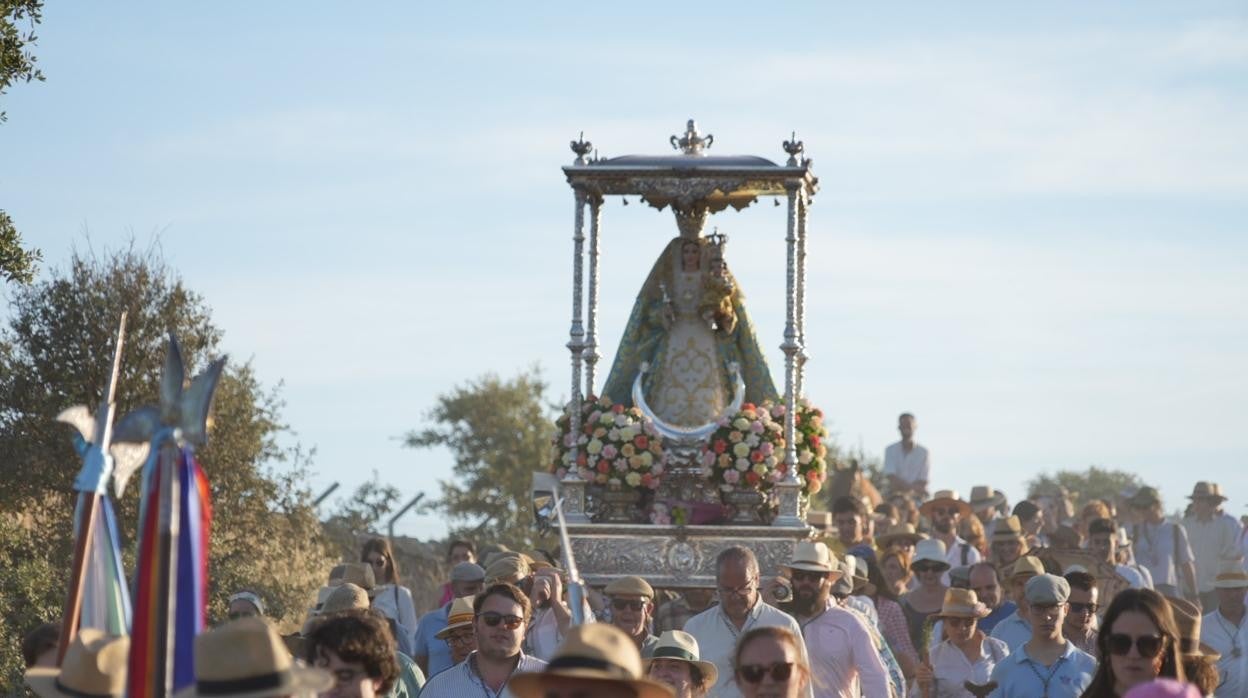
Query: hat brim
[
  {"x": 1219, "y": 497},
  {"x": 533, "y": 685},
  {"x": 811, "y": 567},
  {"x": 888, "y": 539},
  {"x": 709, "y": 671},
  {"x": 966, "y": 613},
  {"x": 993, "y": 502},
  {"x": 302, "y": 680},
  {"x": 446, "y": 632},
  {"x": 964, "y": 508},
  {"x": 42, "y": 680},
  {"x": 1231, "y": 584}
]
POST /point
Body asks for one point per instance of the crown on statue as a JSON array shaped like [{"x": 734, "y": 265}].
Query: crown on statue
[{"x": 717, "y": 240}]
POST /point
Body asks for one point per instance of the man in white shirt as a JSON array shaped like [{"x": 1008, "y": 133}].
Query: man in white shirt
[
  {"x": 945, "y": 509},
  {"x": 1226, "y": 631},
  {"x": 1214, "y": 536},
  {"x": 907, "y": 465},
  {"x": 1162, "y": 546},
  {"x": 1103, "y": 544},
  {"x": 739, "y": 609}
]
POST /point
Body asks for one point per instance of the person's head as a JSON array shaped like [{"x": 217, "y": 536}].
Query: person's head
[
  {"x": 467, "y": 579},
  {"x": 39, "y": 646},
  {"x": 676, "y": 661},
  {"x": 1083, "y": 602},
  {"x": 906, "y": 425},
  {"x": 699, "y": 598},
  {"x": 246, "y": 657},
  {"x": 850, "y": 515},
  {"x": 501, "y": 615},
  {"x": 690, "y": 255},
  {"x": 1206, "y": 499},
  {"x": 377, "y": 552},
  {"x": 946, "y": 509},
  {"x": 1047, "y": 596},
  {"x": 1230, "y": 584},
  {"x": 458, "y": 633},
  {"x": 1146, "y": 505},
  {"x": 95, "y": 665},
  {"x": 1093, "y": 510},
  {"x": 1198, "y": 658},
  {"x": 769, "y": 662},
  {"x": 961, "y": 612},
  {"x": 1103, "y": 539},
  {"x": 736, "y": 580},
  {"x": 929, "y": 564},
  {"x": 458, "y": 551},
  {"x": 986, "y": 584},
  {"x": 356, "y": 647},
  {"x": 1138, "y": 642},
  {"x": 632, "y": 605},
  {"x": 245, "y": 604},
  {"x": 812, "y": 571},
  {"x": 1065, "y": 538},
  {"x": 595, "y": 659},
  {"x": 971, "y": 530},
  {"x": 902, "y": 536},
  {"x": 895, "y": 564},
  {"x": 1030, "y": 516}
]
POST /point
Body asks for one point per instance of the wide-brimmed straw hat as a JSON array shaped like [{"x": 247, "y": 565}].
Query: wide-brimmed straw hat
[
  {"x": 945, "y": 498},
  {"x": 985, "y": 497},
  {"x": 597, "y": 652},
  {"x": 814, "y": 557},
  {"x": 930, "y": 550},
  {"x": 345, "y": 597},
  {"x": 459, "y": 616},
  {"x": 1187, "y": 617},
  {"x": 681, "y": 646},
  {"x": 1231, "y": 575},
  {"x": 1207, "y": 490},
  {"x": 510, "y": 569},
  {"x": 1144, "y": 497},
  {"x": 1007, "y": 529},
  {"x": 898, "y": 533},
  {"x": 95, "y": 665},
  {"x": 1026, "y": 566},
  {"x": 962, "y": 603},
  {"x": 245, "y": 658}
]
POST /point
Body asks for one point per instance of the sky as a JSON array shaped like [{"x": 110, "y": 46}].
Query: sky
[{"x": 1030, "y": 229}]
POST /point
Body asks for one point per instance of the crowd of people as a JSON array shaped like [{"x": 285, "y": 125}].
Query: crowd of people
[{"x": 919, "y": 596}]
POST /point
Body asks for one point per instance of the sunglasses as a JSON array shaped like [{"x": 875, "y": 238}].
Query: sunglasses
[
  {"x": 1090, "y": 608},
  {"x": 808, "y": 576},
  {"x": 1147, "y": 645},
  {"x": 927, "y": 567},
  {"x": 236, "y": 615},
  {"x": 754, "y": 673},
  {"x": 492, "y": 619},
  {"x": 627, "y": 604}
]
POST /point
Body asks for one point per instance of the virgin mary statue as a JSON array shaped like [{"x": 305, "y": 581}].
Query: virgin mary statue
[{"x": 689, "y": 329}]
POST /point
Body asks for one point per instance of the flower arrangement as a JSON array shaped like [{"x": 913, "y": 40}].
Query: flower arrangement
[
  {"x": 747, "y": 448},
  {"x": 616, "y": 445},
  {"x": 812, "y": 452}
]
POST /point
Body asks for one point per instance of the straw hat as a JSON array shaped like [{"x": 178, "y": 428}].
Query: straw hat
[
  {"x": 945, "y": 498},
  {"x": 594, "y": 652},
  {"x": 510, "y": 569},
  {"x": 345, "y": 598},
  {"x": 984, "y": 497},
  {"x": 681, "y": 646},
  {"x": 1187, "y": 617},
  {"x": 233, "y": 659},
  {"x": 459, "y": 616},
  {"x": 962, "y": 603},
  {"x": 1026, "y": 566},
  {"x": 95, "y": 664},
  {"x": 899, "y": 532},
  {"x": 1144, "y": 497},
  {"x": 359, "y": 574},
  {"x": 1231, "y": 575},
  {"x": 855, "y": 569},
  {"x": 930, "y": 550},
  {"x": 814, "y": 557},
  {"x": 1007, "y": 529},
  {"x": 1207, "y": 490}
]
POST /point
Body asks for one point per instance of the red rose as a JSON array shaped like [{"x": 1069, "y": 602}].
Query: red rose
[
  {"x": 603, "y": 466},
  {"x": 720, "y": 446},
  {"x": 647, "y": 481},
  {"x": 748, "y": 406},
  {"x": 756, "y": 456},
  {"x": 752, "y": 477},
  {"x": 618, "y": 409},
  {"x": 814, "y": 441},
  {"x": 581, "y": 460},
  {"x": 641, "y": 441}
]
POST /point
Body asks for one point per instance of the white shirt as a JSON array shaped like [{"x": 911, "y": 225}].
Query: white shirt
[
  {"x": 1225, "y": 637},
  {"x": 1153, "y": 545},
  {"x": 1213, "y": 542},
  {"x": 844, "y": 661},
  {"x": 717, "y": 640},
  {"x": 953, "y": 555},
  {"x": 953, "y": 669},
  {"x": 912, "y": 467},
  {"x": 395, "y": 602},
  {"x": 542, "y": 637},
  {"x": 463, "y": 680}
]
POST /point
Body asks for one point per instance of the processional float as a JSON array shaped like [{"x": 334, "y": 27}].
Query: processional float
[{"x": 651, "y": 380}]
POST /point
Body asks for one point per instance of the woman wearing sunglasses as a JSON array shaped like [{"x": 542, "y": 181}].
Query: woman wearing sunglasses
[
  {"x": 967, "y": 655},
  {"x": 925, "y": 600},
  {"x": 768, "y": 662},
  {"x": 390, "y": 598},
  {"x": 1138, "y": 643}
]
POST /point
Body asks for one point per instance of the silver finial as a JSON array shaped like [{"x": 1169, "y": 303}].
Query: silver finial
[
  {"x": 794, "y": 148},
  {"x": 692, "y": 143},
  {"x": 581, "y": 147}
]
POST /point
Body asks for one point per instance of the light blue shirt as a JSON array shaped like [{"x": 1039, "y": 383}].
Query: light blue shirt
[
  {"x": 428, "y": 645},
  {"x": 1019, "y": 676},
  {"x": 1013, "y": 631}
]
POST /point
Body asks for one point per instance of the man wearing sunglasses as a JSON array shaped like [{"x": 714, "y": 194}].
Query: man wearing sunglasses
[
  {"x": 1048, "y": 664},
  {"x": 1080, "y": 626},
  {"x": 632, "y": 606},
  {"x": 501, "y": 613},
  {"x": 740, "y": 609}
]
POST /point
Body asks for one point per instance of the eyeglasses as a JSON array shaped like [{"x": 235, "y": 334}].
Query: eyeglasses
[
  {"x": 808, "y": 576},
  {"x": 1089, "y": 608},
  {"x": 742, "y": 592},
  {"x": 1148, "y": 646},
  {"x": 235, "y": 615},
  {"x": 628, "y": 604},
  {"x": 945, "y": 511},
  {"x": 461, "y": 639},
  {"x": 921, "y": 567},
  {"x": 492, "y": 619},
  {"x": 960, "y": 622},
  {"x": 754, "y": 673},
  {"x": 1044, "y": 610}
]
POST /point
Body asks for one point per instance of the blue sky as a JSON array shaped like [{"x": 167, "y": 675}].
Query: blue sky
[{"x": 1031, "y": 228}]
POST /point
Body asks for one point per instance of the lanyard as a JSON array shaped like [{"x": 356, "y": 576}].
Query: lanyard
[
  {"x": 480, "y": 680},
  {"x": 1232, "y": 634},
  {"x": 736, "y": 634},
  {"x": 1052, "y": 671}
]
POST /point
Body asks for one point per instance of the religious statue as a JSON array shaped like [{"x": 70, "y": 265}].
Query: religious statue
[{"x": 689, "y": 336}]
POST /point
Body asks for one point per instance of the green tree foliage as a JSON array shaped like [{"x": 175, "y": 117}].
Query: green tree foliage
[
  {"x": 1087, "y": 485},
  {"x": 18, "y": 19},
  {"x": 499, "y": 432},
  {"x": 16, "y": 263},
  {"x": 55, "y": 353}
]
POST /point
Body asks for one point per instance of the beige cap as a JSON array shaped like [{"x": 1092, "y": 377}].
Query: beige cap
[{"x": 629, "y": 586}]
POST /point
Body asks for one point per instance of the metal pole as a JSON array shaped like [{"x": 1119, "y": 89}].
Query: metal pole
[
  {"x": 398, "y": 515},
  {"x": 788, "y": 489},
  {"x": 574, "y": 486},
  {"x": 591, "y": 341},
  {"x": 803, "y": 206},
  {"x": 328, "y": 491}
]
